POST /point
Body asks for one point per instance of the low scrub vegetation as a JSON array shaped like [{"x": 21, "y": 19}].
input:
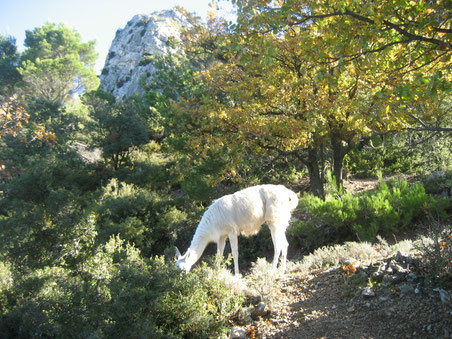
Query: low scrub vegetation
[
  {"x": 389, "y": 209},
  {"x": 116, "y": 291}
]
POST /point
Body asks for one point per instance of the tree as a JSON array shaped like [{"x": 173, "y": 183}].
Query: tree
[
  {"x": 172, "y": 79},
  {"x": 304, "y": 76},
  {"x": 56, "y": 64},
  {"x": 116, "y": 128},
  {"x": 402, "y": 48},
  {"x": 410, "y": 42},
  {"x": 9, "y": 75},
  {"x": 20, "y": 134}
]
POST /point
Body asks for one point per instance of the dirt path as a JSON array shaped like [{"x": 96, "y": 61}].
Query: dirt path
[{"x": 328, "y": 305}]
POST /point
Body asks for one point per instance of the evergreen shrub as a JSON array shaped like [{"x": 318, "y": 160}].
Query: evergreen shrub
[
  {"x": 388, "y": 209},
  {"x": 117, "y": 293},
  {"x": 143, "y": 217}
]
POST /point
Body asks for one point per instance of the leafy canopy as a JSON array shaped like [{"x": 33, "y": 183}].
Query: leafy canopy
[
  {"x": 56, "y": 64},
  {"x": 297, "y": 76},
  {"x": 9, "y": 76}
]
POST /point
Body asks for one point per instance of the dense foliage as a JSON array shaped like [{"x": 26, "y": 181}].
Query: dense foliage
[
  {"x": 115, "y": 293},
  {"x": 311, "y": 79},
  {"x": 95, "y": 192},
  {"x": 56, "y": 64},
  {"x": 389, "y": 209}
]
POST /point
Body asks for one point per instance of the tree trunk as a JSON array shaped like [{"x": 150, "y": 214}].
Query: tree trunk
[
  {"x": 315, "y": 179},
  {"x": 339, "y": 152}
]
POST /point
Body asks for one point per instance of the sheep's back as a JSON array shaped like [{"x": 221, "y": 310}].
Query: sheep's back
[{"x": 246, "y": 210}]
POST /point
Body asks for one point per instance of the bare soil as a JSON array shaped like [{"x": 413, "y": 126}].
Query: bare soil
[{"x": 327, "y": 305}]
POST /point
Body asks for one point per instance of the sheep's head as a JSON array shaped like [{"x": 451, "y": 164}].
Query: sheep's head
[{"x": 185, "y": 262}]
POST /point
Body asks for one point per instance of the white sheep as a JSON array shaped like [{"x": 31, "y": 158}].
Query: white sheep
[{"x": 243, "y": 212}]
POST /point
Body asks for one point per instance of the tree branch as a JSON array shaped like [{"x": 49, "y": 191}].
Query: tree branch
[
  {"x": 431, "y": 128},
  {"x": 425, "y": 127},
  {"x": 398, "y": 28}
]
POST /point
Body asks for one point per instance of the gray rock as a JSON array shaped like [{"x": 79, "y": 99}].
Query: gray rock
[
  {"x": 445, "y": 297},
  {"x": 411, "y": 277},
  {"x": 259, "y": 311},
  {"x": 237, "y": 333},
  {"x": 392, "y": 278},
  {"x": 128, "y": 58},
  {"x": 368, "y": 293},
  {"x": 406, "y": 288}
]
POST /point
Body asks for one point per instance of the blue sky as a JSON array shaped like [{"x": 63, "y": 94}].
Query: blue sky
[{"x": 93, "y": 19}]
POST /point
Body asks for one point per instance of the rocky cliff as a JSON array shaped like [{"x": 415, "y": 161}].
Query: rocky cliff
[{"x": 132, "y": 47}]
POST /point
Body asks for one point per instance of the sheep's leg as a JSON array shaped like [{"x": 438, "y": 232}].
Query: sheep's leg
[
  {"x": 221, "y": 244},
  {"x": 284, "y": 246},
  {"x": 276, "y": 247},
  {"x": 280, "y": 245},
  {"x": 220, "y": 248},
  {"x": 233, "y": 240}
]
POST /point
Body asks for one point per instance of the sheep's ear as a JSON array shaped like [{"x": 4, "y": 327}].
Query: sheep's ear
[{"x": 178, "y": 255}]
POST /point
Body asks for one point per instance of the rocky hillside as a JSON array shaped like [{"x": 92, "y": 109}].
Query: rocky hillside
[
  {"x": 380, "y": 292},
  {"x": 128, "y": 58}
]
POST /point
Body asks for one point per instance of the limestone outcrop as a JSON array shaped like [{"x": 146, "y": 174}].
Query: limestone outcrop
[{"x": 128, "y": 59}]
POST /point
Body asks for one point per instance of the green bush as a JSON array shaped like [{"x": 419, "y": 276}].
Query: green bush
[
  {"x": 198, "y": 305},
  {"x": 116, "y": 293},
  {"x": 436, "y": 249},
  {"x": 438, "y": 182},
  {"x": 145, "y": 218},
  {"x": 147, "y": 59},
  {"x": 386, "y": 210},
  {"x": 46, "y": 211},
  {"x": 6, "y": 284},
  {"x": 402, "y": 152}
]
